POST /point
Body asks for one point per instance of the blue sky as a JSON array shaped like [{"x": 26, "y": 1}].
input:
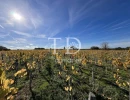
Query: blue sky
[{"x": 91, "y": 21}]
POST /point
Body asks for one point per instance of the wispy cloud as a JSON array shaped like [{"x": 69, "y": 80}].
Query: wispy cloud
[
  {"x": 29, "y": 35},
  {"x": 77, "y": 13},
  {"x": 121, "y": 23},
  {"x": 117, "y": 25},
  {"x": 3, "y": 35},
  {"x": 120, "y": 27},
  {"x": 22, "y": 33},
  {"x": 1, "y": 26},
  {"x": 37, "y": 21}
]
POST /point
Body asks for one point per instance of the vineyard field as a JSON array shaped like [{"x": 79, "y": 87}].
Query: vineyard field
[{"x": 42, "y": 75}]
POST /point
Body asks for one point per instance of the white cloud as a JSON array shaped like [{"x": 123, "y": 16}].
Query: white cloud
[
  {"x": 11, "y": 42},
  {"x": 120, "y": 44},
  {"x": 16, "y": 45},
  {"x": 21, "y": 40},
  {"x": 30, "y": 44},
  {"x": 40, "y": 36}
]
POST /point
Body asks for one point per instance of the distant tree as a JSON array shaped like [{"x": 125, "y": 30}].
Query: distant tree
[
  {"x": 104, "y": 45},
  {"x": 73, "y": 47},
  {"x": 64, "y": 48},
  {"x": 94, "y": 48},
  {"x": 127, "y": 48},
  {"x": 39, "y": 48},
  {"x": 119, "y": 48},
  {"x": 3, "y": 48}
]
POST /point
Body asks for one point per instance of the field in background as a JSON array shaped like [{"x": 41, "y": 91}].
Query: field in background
[{"x": 42, "y": 75}]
